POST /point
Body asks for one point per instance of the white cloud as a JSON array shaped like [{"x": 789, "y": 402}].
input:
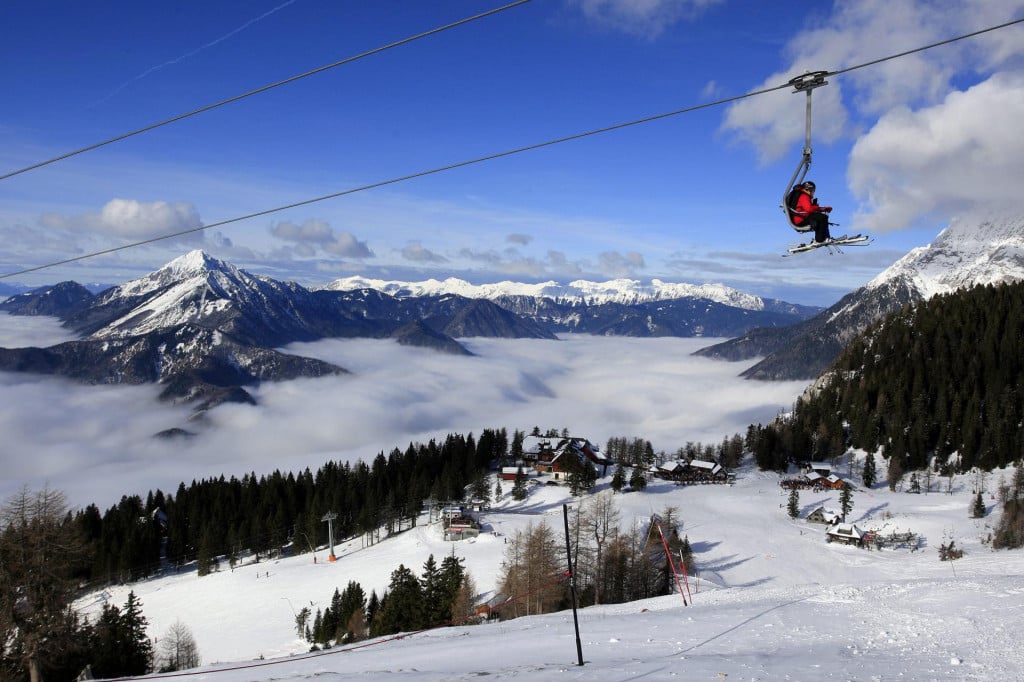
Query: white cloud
[
  {"x": 615, "y": 265},
  {"x": 959, "y": 156},
  {"x": 313, "y": 234},
  {"x": 420, "y": 254},
  {"x": 643, "y": 18},
  {"x": 95, "y": 442},
  {"x": 141, "y": 220},
  {"x": 131, "y": 219},
  {"x": 931, "y": 140}
]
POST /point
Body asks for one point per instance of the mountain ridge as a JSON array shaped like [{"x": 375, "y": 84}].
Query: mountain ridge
[{"x": 964, "y": 254}]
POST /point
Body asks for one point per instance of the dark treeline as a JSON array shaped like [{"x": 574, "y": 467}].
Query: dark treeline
[
  {"x": 224, "y": 517},
  {"x": 938, "y": 384}
]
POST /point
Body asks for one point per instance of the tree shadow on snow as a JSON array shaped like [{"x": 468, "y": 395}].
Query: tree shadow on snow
[{"x": 874, "y": 510}]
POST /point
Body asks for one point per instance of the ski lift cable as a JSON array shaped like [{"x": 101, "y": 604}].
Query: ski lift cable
[
  {"x": 808, "y": 81},
  {"x": 489, "y": 157},
  {"x": 926, "y": 47},
  {"x": 395, "y": 180},
  {"x": 262, "y": 89}
]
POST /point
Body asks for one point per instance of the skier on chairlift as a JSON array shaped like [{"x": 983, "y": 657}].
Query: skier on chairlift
[{"x": 806, "y": 214}]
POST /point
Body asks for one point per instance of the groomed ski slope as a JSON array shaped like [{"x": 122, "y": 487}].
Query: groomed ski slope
[{"x": 772, "y": 600}]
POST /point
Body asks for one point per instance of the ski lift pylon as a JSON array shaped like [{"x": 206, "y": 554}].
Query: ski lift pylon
[{"x": 804, "y": 83}]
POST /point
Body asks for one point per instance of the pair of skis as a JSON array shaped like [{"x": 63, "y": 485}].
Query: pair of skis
[{"x": 833, "y": 245}]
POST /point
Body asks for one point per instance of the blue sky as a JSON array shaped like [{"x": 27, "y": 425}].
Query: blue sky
[{"x": 900, "y": 148}]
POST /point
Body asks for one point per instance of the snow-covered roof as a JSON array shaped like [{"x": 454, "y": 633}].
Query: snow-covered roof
[
  {"x": 846, "y": 530},
  {"x": 827, "y": 514},
  {"x": 701, "y": 464}
]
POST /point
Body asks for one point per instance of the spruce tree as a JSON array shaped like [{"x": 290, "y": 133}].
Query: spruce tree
[
  {"x": 637, "y": 480},
  {"x": 978, "y": 508},
  {"x": 120, "y": 647},
  {"x": 403, "y": 607},
  {"x": 619, "y": 478},
  {"x": 519, "y": 487},
  {"x": 870, "y": 473},
  {"x": 846, "y": 501},
  {"x": 793, "y": 506}
]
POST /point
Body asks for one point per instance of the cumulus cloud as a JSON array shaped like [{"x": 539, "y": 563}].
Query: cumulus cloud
[
  {"x": 614, "y": 264},
  {"x": 418, "y": 253},
  {"x": 900, "y": 102},
  {"x": 312, "y": 235},
  {"x": 961, "y": 155},
  {"x": 643, "y": 18},
  {"x": 95, "y": 442},
  {"x": 132, "y": 219}
]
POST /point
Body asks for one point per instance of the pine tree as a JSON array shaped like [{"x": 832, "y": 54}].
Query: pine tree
[
  {"x": 403, "y": 607},
  {"x": 846, "y": 501},
  {"x": 120, "y": 647},
  {"x": 519, "y": 487},
  {"x": 978, "y": 508},
  {"x": 870, "y": 473},
  {"x": 434, "y": 597},
  {"x": 793, "y": 505},
  {"x": 637, "y": 480},
  {"x": 619, "y": 478},
  {"x": 139, "y": 650}
]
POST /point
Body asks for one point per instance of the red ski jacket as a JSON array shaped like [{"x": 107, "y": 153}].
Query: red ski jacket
[{"x": 804, "y": 207}]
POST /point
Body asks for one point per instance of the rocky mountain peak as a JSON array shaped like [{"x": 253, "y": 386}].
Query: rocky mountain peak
[{"x": 965, "y": 254}]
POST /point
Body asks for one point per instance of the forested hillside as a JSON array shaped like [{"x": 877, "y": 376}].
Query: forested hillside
[
  {"x": 226, "y": 517},
  {"x": 937, "y": 384}
]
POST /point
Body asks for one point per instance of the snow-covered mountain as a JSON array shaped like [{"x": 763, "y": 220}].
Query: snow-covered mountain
[
  {"x": 965, "y": 254},
  {"x": 624, "y": 291},
  {"x": 205, "y": 329},
  {"x": 621, "y": 307}
]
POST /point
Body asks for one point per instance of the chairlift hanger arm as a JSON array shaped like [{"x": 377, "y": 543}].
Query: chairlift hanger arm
[{"x": 803, "y": 83}]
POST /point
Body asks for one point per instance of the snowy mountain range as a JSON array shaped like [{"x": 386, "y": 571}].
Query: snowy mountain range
[
  {"x": 621, "y": 307},
  {"x": 205, "y": 329},
  {"x": 965, "y": 254},
  {"x": 623, "y": 291}
]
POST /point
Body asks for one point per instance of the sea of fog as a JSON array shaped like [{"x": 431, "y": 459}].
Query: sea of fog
[{"x": 96, "y": 443}]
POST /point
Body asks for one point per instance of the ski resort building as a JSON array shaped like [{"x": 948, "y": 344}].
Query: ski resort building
[
  {"x": 825, "y": 516},
  {"x": 846, "y": 533}
]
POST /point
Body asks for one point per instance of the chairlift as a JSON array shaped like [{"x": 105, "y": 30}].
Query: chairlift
[{"x": 805, "y": 83}]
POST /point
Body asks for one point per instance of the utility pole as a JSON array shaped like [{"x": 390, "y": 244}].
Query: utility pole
[
  {"x": 572, "y": 584},
  {"x": 328, "y": 517}
]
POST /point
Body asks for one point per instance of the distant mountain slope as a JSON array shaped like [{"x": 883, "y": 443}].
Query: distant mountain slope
[
  {"x": 192, "y": 363},
  {"x": 56, "y": 300},
  {"x": 621, "y": 307},
  {"x": 205, "y": 329},
  {"x": 963, "y": 255}
]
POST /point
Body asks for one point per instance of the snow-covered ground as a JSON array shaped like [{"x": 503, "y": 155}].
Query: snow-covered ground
[{"x": 771, "y": 601}]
